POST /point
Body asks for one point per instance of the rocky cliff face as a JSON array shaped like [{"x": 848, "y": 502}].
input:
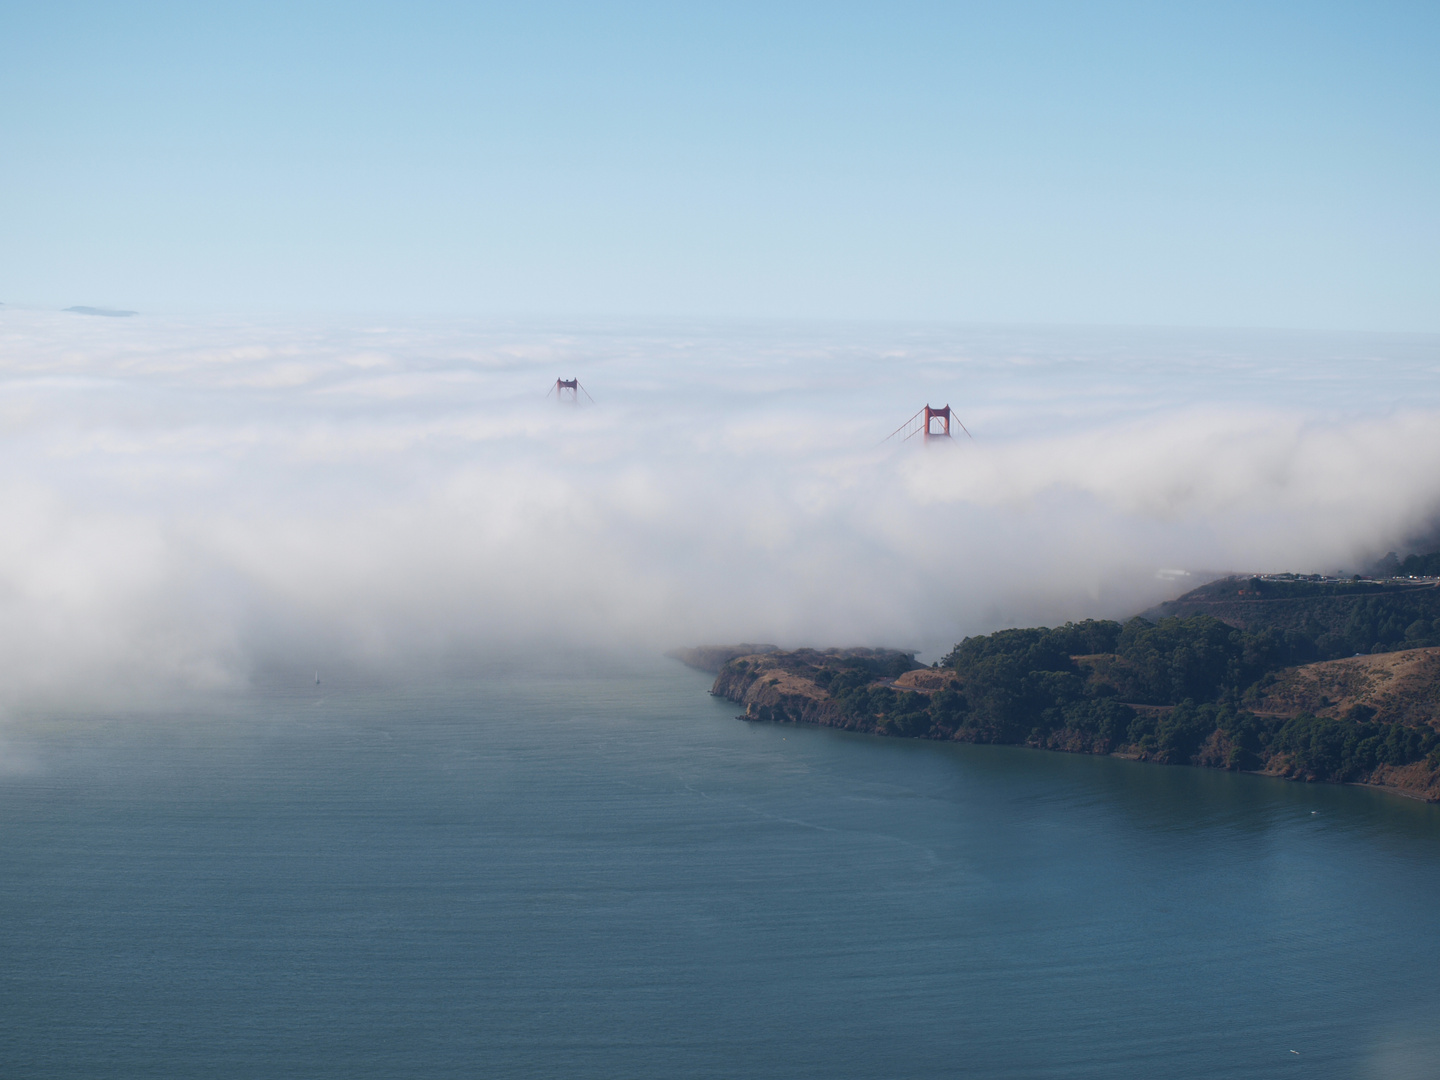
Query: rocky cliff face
[
  {"x": 792, "y": 686},
  {"x": 768, "y": 693}
]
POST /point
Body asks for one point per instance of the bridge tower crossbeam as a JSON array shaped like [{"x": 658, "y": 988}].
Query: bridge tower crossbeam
[
  {"x": 923, "y": 424},
  {"x": 568, "y": 391}
]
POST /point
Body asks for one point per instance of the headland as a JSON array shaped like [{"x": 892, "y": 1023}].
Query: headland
[{"x": 1328, "y": 680}]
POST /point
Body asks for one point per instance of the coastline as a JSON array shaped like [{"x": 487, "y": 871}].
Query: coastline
[{"x": 905, "y": 700}]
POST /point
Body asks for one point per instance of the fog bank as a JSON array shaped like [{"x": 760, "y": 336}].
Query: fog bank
[{"x": 191, "y": 502}]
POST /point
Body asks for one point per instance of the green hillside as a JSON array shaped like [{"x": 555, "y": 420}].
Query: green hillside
[{"x": 1334, "y": 618}]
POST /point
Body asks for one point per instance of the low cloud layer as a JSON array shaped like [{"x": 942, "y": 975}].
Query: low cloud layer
[{"x": 191, "y": 502}]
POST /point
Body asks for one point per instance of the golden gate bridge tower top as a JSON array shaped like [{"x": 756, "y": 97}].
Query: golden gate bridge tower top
[
  {"x": 924, "y": 423},
  {"x": 568, "y": 391}
]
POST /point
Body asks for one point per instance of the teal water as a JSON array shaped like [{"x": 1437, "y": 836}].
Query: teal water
[{"x": 607, "y": 875}]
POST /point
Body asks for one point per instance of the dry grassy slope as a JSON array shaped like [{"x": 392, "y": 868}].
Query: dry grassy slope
[
  {"x": 1402, "y": 687},
  {"x": 927, "y": 680}
]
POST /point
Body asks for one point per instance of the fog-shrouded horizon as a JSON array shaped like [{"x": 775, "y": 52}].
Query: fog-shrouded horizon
[{"x": 194, "y": 502}]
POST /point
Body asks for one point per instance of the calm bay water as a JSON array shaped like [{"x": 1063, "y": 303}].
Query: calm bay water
[{"x": 606, "y": 875}]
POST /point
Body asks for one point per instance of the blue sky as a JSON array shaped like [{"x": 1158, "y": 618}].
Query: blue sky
[{"x": 1218, "y": 164}]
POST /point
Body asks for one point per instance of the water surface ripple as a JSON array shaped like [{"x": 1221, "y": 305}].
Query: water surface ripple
[{"x": 604, "y": 874}]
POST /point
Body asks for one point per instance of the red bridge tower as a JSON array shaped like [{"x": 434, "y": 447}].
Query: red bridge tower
[
  {"x": 943, "y": 415},
  {"x": 569, "y": 390},
  {"x": 924, "y": 421}
]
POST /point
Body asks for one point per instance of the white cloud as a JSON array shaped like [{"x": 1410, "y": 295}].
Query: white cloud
[{"x": 188, "y": 500}]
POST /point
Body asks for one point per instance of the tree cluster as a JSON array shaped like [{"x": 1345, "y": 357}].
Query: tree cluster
[
  {"x": 1171, "y": 691},
  {"x": 1416, "y": 565},
  {"x": 1336, "y": 618}
]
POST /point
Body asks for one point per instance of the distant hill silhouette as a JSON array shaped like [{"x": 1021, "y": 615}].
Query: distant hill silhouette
[{"x": 108, "y": 312}]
